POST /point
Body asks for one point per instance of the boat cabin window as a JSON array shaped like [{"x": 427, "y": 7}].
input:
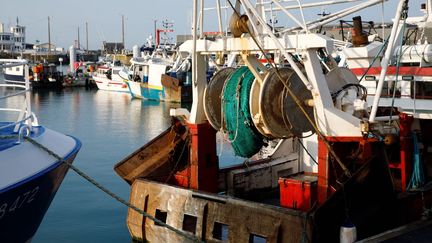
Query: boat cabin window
[
  {"x": 388, "y": 89},
  {"x": 189, "y": 223},
  {"x": 421, "y": 90},
  {"x": 161, "y": 215},
  {"x": 17, "y": 69},
  {"x": 220, "y": 231},
  {"x": 257, "y": 239},
  {"x": 140, "y": 69}
]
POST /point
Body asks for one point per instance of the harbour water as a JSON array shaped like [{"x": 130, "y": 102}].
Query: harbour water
[{"x": 110, "y": 125}]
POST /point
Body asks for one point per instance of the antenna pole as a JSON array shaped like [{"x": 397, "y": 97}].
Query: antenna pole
[{"x": 87, "y": 45}]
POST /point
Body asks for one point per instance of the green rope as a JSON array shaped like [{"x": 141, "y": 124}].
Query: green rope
[
  {"x": 245, "y": 139},
  {"x": 111, "y": 194}
]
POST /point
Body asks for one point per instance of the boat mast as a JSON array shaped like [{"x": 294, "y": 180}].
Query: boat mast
[
  {"x": 123, "y": 40},
  {"x": 87, "y": 45},
  {"x": 49, "y": 36},
  {"x": 429, "y": 10},
  {"x": 79, "y": 46}
]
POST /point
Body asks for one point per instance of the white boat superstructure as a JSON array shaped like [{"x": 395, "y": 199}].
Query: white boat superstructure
[
  {"x": 107, "y": 77},
  {"x": 407, "y": 81}
]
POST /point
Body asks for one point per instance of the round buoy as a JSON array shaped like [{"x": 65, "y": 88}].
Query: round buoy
[{"x": 212, "y": 97}]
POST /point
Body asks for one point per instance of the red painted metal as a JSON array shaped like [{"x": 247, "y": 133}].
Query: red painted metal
[
  {"x": 298, "y": 192},
  {"x": 158, "y": 31},
  {"x": 323, "y": 171},
  {"x": 406, "y": 150},
  {"x": 202, "y": 171},
  {"x": 414, "y": 71},
  {"x": 325, "y": 176}
]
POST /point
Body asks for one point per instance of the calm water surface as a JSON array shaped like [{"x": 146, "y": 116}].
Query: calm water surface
[{"x": 110, "y": 126}]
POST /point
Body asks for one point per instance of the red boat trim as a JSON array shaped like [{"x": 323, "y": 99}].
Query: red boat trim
[{"x": 413, "y": 71}]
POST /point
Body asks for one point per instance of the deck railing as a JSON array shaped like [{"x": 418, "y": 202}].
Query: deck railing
[{"x": 26, "y": 118}]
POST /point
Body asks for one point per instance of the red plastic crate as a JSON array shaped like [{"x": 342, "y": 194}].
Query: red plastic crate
[{"x": 298, "y": 191}]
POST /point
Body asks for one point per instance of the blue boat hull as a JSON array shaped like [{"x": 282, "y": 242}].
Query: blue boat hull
[
  {"x": 153, "y": 94},
  {"x": 23, "y": 205},
  {"x": 161, "y": 94},
  {"x": 14, "y": 78}
]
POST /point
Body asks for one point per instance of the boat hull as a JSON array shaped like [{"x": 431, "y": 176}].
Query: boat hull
[
  {"x": 45, "y": 84},
  {"x": 135, "y": 89},
  {"x": 160, "y": 93},
  {"x": 9, "y": 78},
  {"x": 24, "y": 204},
  {"x": 110, "y": 85}
]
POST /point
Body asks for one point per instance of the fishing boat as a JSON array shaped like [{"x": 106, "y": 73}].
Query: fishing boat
[
  {"x": 158, "y": 78},
  {"x": 343, "y": 169},
  {"x": 29, "y": 176},
  {"x": 42, "y": 76},
  {"x": 82, "y": 75},
  {"x": 107, "y": 77}
]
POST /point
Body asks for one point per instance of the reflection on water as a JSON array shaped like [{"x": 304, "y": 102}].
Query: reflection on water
[{"x": 110, "y": 126}]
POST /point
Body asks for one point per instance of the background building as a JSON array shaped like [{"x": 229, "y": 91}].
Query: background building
[{"x": 14, "y": 40}]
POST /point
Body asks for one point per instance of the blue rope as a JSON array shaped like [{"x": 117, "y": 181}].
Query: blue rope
[{"x": 417, "y": 178}]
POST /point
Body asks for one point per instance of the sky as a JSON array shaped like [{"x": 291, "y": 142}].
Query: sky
[{"x": 104, "y": 18}]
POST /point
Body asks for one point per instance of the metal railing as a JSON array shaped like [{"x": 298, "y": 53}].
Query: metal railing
[{"x": 26, "y": 118}]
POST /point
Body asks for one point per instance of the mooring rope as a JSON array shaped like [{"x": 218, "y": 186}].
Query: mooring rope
[{"x": 110, "y": 193}]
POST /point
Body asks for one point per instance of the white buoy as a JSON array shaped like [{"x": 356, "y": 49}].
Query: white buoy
[
  {"x": 135, "y": 51},
  {"x": 348, "y": 233},
  {"x": 72, "y": 59}
]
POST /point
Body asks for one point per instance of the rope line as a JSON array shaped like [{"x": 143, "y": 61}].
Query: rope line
[{"x": 112, "y": 194}]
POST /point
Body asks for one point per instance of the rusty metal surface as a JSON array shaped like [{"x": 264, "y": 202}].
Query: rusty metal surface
[
  {"x": 173, "y": 90},
  {"x": 259, "y": 175},
  {"x": 170, "y": 82},
  {"x": 153, "y": 155},
  {"x": 242, "y": 218}
]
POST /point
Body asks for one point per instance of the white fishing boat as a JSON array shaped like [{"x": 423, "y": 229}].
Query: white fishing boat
[
  {"x": 81, "y": 76},
  {"x": 158, "y": 78},
  {"x": 107, "y": 77},
  {"x": 29, "y": 175}
]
